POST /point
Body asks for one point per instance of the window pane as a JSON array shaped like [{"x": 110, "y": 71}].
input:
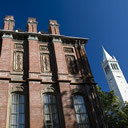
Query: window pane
[
  {"x": 48, "y": 117},
  {"x": 54, "y": 110},
  {"x": 77, "y": 108},
  {"x": 15, "y": 98},
  {"x": 13, "y": 108},
  {"x": 21, "y": 119},
  {"x": 21, "y": 126},
  {"x": 21, "y": 108},
  {"x": 78, "y": 118},
  {"x": 82, "y": 108},
  {"x": 75, "y": 99},
  {"x": 49, "y": 126},
  {"x": 55, "y": 118},
  {"x": 80, "y": 100},
  {"x": 46, "y": 109},
  {"x": 52, "y": 99},
  {"x": 13, "y": 119},
  {"x": 84, "y": 118},
  {"x": 21, "y": 98},
  {"x": 17, "y": 108},
  {"x": 13, "y": 126},
  {"x": 45, "y": 98}
]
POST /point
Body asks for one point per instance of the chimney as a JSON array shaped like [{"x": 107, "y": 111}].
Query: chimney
[
  {"x": 9, "y": 23},
  {"x": 32, "y": 25},
  {"x": 53, "y": 27}
]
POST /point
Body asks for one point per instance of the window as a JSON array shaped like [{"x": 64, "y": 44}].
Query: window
[
  {"x": 107, "y": 69},
  {"x": 17, "y": 116},
  {"x": 18, "y": 57},
  {"x": 114, "y": 66},
  {"x": 71, "y": 64},
  {"x": 70, "y": 57},
  {"x": 45, "y": 59},
  {"x": 81, "y": 112},
  {"x": 50, "y": 111}
]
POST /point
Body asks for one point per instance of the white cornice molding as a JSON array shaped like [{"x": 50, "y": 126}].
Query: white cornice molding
[{"x": 7, "y": 36}]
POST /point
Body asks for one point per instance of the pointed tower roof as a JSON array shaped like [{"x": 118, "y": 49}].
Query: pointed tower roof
[{"x": 106, "y": 56}]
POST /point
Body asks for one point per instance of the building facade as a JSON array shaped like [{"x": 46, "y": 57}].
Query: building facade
[
  {"x": 115, "y": 77},
  {"x": 45, "y": 80}
]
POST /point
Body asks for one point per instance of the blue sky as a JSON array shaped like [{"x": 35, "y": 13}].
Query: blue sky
[{"x": 104, "y": 22}]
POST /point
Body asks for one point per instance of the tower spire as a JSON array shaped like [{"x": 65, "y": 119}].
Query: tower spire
[{"x": 106, "y": 56}]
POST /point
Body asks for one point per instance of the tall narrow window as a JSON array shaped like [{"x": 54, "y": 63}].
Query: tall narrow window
[
  {"x": 45, "y": 63},
  {"x": 17, "y": 116},
  {"x": 18, "y": 61},
  {"x": 18, "y": 57},
  {"x": 81, "y": 112},
  {"x": 50, "y": 111},
  {"x": 71, "y": 63},
  {"x": 107, "y": 69}
]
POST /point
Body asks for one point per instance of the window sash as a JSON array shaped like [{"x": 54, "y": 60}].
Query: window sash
[
  {"x": 50, "y": 111},
  {"x": 81, "y": 112},
  {"x": 17, "y": 117}
]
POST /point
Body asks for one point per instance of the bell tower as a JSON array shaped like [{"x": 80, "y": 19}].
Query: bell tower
[{"x": 115, "y": 77}]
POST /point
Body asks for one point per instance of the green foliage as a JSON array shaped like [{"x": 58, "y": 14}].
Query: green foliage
[{"x": 115, "y": 113}]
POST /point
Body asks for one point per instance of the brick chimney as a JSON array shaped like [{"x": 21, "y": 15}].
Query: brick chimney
[
  {"x": 9, "y": 23},
  {"x": 32, "y": 25},
  {"x": 54, "y": 27}
]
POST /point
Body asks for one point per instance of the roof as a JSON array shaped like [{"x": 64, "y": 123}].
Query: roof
[{"x": 106, "y": 56}]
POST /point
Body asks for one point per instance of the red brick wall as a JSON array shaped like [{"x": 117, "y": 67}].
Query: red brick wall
[
  {"x": 3, "y": 102},
  {"x": 63, "y": 84},
  {"x": 35, "y": 102},
  {"x": 60, "y": 58},
  {"x": 68, "y": 109},
  {"x": 34, "y": 56},
  {"x": 6, "y": 52}
]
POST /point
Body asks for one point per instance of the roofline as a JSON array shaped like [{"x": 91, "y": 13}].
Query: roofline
[{"x": 48, "y": 35}]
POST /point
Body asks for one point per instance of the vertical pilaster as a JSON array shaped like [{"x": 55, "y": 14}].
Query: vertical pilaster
[
  {"x": 62, "y": 70},
  {"x": 63, "y": 81},
  {"x": 35, "y": 103},
  {"x": 6, "y": 53},
  {"x": 3, "y": 102},
  {"x": 34, "y": 55},
  {"x": 67, "y": 104},
  {"x": 6, "y": 50}
]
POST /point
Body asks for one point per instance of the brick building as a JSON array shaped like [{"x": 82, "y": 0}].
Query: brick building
[{"x": 45, "y": 79}]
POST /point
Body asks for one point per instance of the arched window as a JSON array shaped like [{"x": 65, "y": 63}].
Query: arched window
[
  {"x": 17, "y": 115},
  {"x": 81, "y": 112},
  {"x": 50, "y": 111}
]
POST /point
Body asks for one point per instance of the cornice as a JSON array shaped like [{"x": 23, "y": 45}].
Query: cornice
[{"x": 65, "y": 39}]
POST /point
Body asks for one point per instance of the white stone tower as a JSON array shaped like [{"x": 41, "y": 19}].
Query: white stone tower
[{"x": 115, "y": 77}]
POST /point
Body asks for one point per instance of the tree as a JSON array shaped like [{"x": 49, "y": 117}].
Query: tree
[{"x": 115, "y": 113}]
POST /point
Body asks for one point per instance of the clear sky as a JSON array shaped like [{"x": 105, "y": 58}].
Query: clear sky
[{"x": 104, "y": 22}]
